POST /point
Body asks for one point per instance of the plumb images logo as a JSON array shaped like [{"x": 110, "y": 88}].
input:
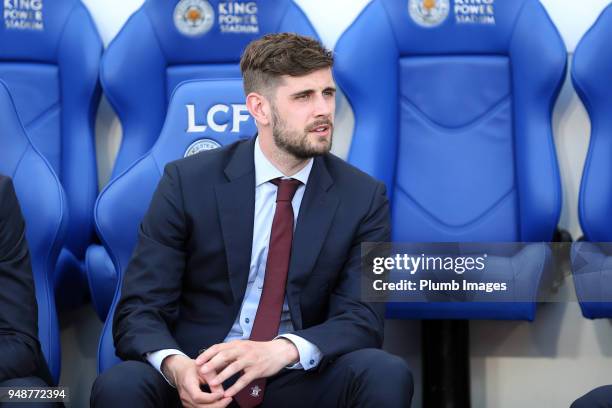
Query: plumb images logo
[
  {"x": 458, "y": 271},
  {"x": 438, "y": 274}
]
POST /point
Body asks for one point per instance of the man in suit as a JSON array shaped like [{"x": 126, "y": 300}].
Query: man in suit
[
  {"x": 21, "y": 360},
  {"x": 244, "y": 287}
]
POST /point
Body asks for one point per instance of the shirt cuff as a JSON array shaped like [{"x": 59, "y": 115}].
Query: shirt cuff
[
  {"x": 156, "y": 358},
  {"x": 309, "y": 354}
]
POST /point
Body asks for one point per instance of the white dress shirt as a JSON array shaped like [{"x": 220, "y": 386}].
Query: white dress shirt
[{"x": 265, "y": 206}]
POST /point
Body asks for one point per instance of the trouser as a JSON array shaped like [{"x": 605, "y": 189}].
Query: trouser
[{"x": 363, "y": 378}]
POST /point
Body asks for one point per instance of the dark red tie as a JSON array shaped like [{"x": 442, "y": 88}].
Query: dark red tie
[{"x": 267, "y": 319}]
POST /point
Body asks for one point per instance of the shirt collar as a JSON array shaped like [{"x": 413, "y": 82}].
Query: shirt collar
[{"x": 266, "y": 171}]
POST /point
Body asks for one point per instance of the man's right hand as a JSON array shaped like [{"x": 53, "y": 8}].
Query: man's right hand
[{"x": 183, "y": 373}]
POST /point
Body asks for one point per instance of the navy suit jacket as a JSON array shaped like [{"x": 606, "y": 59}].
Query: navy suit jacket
[
  {"x": 185, "y": 283},
  {"x": 20, "y": 353}
]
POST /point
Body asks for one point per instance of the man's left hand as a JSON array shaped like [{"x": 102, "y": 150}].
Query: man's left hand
[{"x": 256, "y": 359}]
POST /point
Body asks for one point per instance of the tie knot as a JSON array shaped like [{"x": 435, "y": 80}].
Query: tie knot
[{"x": 286, "y": 188}]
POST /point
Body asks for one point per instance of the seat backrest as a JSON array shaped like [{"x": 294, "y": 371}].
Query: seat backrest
[
  {"x": 591, "y": 69},
  {"x": 44, "y": 208},
  {"x": 453, "y": 104},
  {"x": 49, "y": 58},
  {"x": 591, "y": 74},
  {"x": 203, "y": 114},
  {"x": 167, "y": 42}
]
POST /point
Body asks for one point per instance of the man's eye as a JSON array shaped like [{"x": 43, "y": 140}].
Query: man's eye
[{"x": 303, "y": 96}]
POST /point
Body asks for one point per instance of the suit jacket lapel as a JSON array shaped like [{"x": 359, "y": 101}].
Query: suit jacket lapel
[
  {"x": 236, "y": 205},
  {"x": 317, "y": 211}
]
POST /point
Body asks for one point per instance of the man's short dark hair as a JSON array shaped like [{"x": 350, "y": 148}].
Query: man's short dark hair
[{"x": 265, "y": 60}]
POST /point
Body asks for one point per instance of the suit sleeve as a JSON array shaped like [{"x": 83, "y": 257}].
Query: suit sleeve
[
  {"x": 151, "y": 287},
  {"x": 19, "y": 347},
  {"x": 351, "y": 323}
]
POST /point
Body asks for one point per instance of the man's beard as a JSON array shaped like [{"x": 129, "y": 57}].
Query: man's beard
[{"x": 296, "y": 143}]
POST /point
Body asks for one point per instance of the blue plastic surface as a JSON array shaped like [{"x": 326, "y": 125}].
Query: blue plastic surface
[
  {"x": 453, "y": 112},
  {"x": 50, "y": 60},
  {"x": 44, "y": 208},
  {"x": 591, "y": 71}
]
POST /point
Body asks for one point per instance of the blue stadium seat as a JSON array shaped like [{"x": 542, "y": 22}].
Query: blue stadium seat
[
  {"x": 453, "y": 105},
  {"x": 49, "y": 58},
  {"x": 592, "y": 67},
  {"x": 166, "y": 42},
  {"x": 43, "y": 204},
  {"x": 202, "y": 115}
]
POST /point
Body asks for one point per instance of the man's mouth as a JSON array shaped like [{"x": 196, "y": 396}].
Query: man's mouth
[{"x": 321, "y": 130}]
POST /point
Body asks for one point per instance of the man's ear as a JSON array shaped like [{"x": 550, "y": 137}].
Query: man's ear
[{"x": 259, "y": 108}]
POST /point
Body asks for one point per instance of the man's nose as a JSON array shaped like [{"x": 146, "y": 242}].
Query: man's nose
[{"x": 323, "y": 107}]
